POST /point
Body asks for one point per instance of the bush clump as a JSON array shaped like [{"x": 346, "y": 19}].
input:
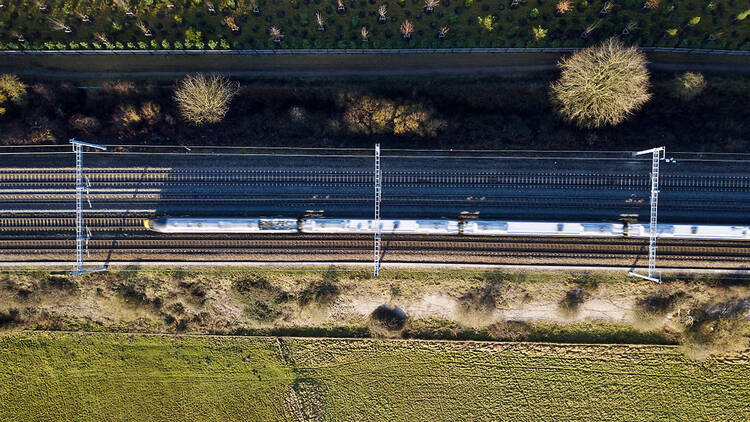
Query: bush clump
[
  {"x": 204, "y": 99},
  {"x": 12, "y": 90},
  {"x": 601, "y": 85},
  {"x": 688, "y": 85}
]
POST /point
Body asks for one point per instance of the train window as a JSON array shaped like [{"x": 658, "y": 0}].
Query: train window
[
  {"x": 560, "y": 227},
  {"x": 694, "y": 229},
  {"x": 199, "y": 224}
]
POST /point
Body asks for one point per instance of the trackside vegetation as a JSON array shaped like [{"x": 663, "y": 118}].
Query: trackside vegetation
[
  {"x": 602, "y": 85},
  {"x": 355, "y": 24},
  {"x": 703, "y": 315},
  {"x": 91, "y": 377},
  {"x": 686, "y": 113}
]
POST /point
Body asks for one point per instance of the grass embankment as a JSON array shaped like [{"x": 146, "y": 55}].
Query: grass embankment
[
  {"x": 59, "y": 376},
  {"x": 224, "y": 24},
  {"x": 706, "y": 315}
]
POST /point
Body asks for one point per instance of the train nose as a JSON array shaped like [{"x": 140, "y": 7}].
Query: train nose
[{"x": 158, "y": 225}]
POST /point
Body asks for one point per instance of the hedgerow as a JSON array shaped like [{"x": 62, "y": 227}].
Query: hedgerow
[{"x": 376, "y": 24}]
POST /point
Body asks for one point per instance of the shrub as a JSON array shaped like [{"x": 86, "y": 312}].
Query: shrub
[
  {"x": 688, "y": 86},
  {"x": 539, "y": 33},
  {"x": 204, "y": 99},
  {"x": 11, "y": 89},
  {"x": 601, "y": 85},
  {"x": 694, "y": 21},
  {"x": 742, "y": 16},
  {"x": 369, "y": 115},
  {"x": 487, "y": 22},
  {"x": 415, "y": 120},
  {"x": 534, "y": 13}
]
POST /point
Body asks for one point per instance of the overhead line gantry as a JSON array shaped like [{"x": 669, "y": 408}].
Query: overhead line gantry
[
  {"x": 82, "y": 239},
  {"x": 657, "y": 154},
  {"x": 378, "y": 191}
]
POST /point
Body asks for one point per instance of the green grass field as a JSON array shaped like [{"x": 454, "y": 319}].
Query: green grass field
[{"x": 59, "y": 376}]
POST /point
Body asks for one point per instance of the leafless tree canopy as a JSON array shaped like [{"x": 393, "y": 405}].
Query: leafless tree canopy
[
  {"x": 204, "y": 99},
  {"x": 688, "y": 85},
  {"x": 406, "y": 29},
  {"x": 601, "y": 85},
  {"x": 563, "y": 6},
  {"x": 382, "y": 10}
]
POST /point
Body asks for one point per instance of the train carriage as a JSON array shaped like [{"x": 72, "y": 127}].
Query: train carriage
[
  {"x": 222, "y": 225},
  {"x": 331, "y": 225}
]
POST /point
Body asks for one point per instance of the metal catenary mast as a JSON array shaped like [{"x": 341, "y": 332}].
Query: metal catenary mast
[
  {"x": 81, "y": 239},
  {"x": 657, "y": 154},
  {"x": 378, "y": 187}
]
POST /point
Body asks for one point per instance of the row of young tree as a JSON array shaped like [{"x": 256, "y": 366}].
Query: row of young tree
[{"x": 598, "y": 86}]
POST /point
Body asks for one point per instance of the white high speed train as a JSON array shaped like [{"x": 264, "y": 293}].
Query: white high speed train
[{"x": 442, "y": 227}]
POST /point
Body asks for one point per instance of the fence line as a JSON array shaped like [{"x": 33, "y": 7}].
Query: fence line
[{"x": 353, "y": 51}]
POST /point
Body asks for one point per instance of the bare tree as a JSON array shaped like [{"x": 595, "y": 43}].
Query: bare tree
[
  {"x": 142, "y": 26},
  {"x": 606, "y": 7},
  {"x": 321, "y": 21},
  {"x": 430, "y": 5},
  {"x": 211, "y": 7},
  {"x": 203, "y": 99},
  {"x": 382, "y": 11},
  {"x": 443, "y": 32},
  {"x": 563, "y": 7},
  {"x": 630, "y": 27},
  {"x": 41, "y": 5},
  {"x": 406, "y": 29},
  {"x": 365, "y": 34},
  {"x": 601, "y": 85},
  {"x": 254, "y": 7},
  {"x": 101, "y": 38},
  {"x": 651, "y": 4},
  {"x": 18, "y": 36},
  {"x": 341, "y": 8},
  {"x": 58, "y": 25},
  {"x": 230, "y": 24},
  {"x": 591, "y": 28},
  {"x": 82, "y": 16},
  {"x": 123, "y": 4},
  {"x": 275, "y": 34}
]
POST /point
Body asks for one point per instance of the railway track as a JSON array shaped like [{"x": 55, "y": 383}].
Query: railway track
[
  {"x": 145, "y": 178},
  {"x": 314, "y": 247}
]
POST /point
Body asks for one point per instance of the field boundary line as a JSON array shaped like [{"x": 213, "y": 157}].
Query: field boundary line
[{"x": 363, "y": 339}]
